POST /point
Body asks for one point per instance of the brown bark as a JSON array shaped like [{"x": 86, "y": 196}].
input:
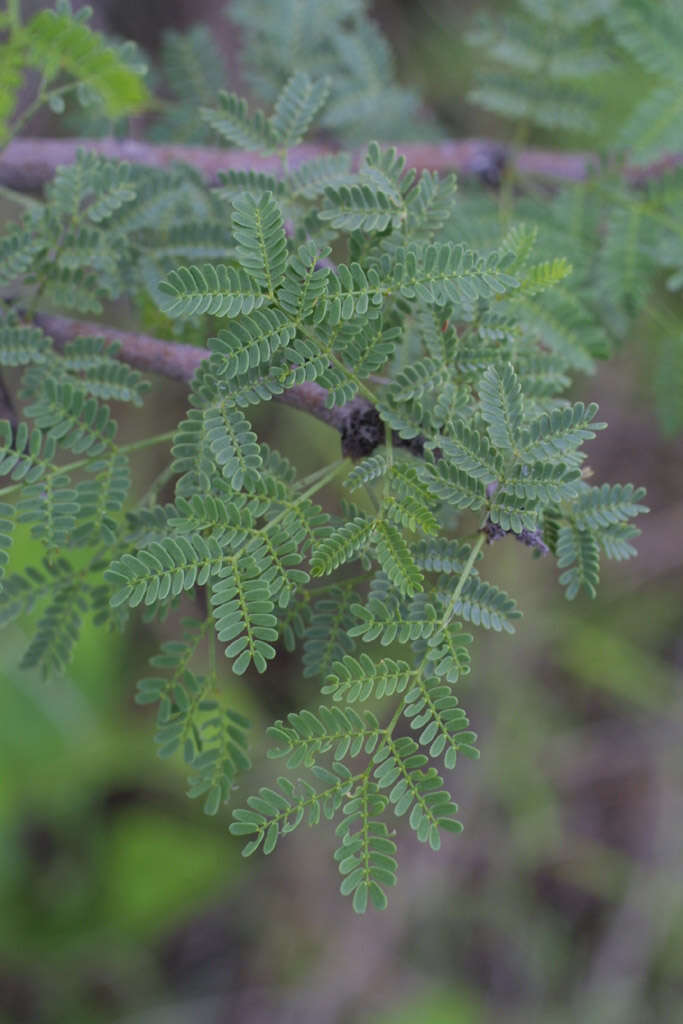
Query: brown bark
[
  {"x": 357, "y": 421},
  {"x": 178, "y": 361},
  {"x": 28, "y": 163},
  {"x": 7, "y": 410}
]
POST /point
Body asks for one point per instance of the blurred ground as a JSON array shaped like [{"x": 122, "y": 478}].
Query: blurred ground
[{"x": 562, "y": 900}]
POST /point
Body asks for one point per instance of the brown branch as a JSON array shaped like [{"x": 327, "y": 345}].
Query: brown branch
[
  {"x": 357, "y": 421},
  {"x": 152, "y": 355},
  {"x": 28, "y": 163},
  {"x": 7, "y": 410}
]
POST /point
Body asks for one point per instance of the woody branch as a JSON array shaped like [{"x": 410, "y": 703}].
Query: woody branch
[{"x": 27, "y": 164}]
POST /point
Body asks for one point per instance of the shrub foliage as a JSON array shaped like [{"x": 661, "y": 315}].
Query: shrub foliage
[{"x": 443, "y": 355}]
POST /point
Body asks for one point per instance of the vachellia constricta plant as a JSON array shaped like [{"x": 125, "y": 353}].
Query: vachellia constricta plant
[{"x": 337, "y": 286}]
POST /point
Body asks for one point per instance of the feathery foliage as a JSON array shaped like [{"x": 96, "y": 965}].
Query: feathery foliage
[
  {"x": 440, "y": 350},
  {"x": 56, "y": 41},
  {"x": 552, "y": 66},
  {"x": 337, "y": 40},
  {"x": 192, "y": 69}
]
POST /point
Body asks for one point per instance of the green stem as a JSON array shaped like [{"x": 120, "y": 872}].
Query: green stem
[
  {"x": 464, "y": 576},
  {"x": 14, "y": 16},
  {"x": 329, "y": 474},
  {"x": 362, "y": 388},
  {"x": 150, "y": 495},
  {"x": 28, "y": 113},
  {"x": 389, "y": 456},
  {"x": 40, "y": 99},
  {"x": 360, "y": 578},
  {"x": 662, "y": 317},
  {"x": 447, "y": 616},
  {"x": 630, "y": 202},
  {"x": 125, "y": 448},
  {"x": 317, "y": 473},
  {"x": 212, "y": 652},
  {"x": 506, "y": 194},
  {"x": 12, "y": 196},
  {"x": 145, "y": 442},
  {"x": 373, "y": 500}
]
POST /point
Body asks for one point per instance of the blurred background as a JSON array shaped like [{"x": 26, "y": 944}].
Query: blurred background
[{"x": 562, "y": 900}]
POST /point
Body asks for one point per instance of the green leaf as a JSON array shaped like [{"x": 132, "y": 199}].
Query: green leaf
[
  {"x": 357, "y": 679},
  {"x": 358, "y": 207},
  {"x": 560, "y": 431},
  {"x": 468, "y": 450},
  {"x": 21, "y": 344},
  {"x": 56, "y": 631},
  {"x": 251, "y": 340},
  {"x": 296, "y": 107},
  {"x": 501, "y": 405},
  {"x": 18, "y": 250},
  {"x": 243, "y": 612},
  {"x": 78, "y": 422},
  {"x": 396, "y": 560},
  {"x": 327, "y": 640},
  {"x": 304, "y": 736},
  {"x": 432, "y": 708},
  {"x": 611, "y": 503},
  {"x": 261, "y": 244},
  {"x": 484, "y": 604},
  {"x": 59, "y": 41},
  {"x": 367, "y": 854},
  {"x": 163, "y": 567},
  {"x": 234, "y": 123},
  {"x": 340, "y": 546},
  {"x": 578, "y": 554},
  {"x": 215, "y": 289}
]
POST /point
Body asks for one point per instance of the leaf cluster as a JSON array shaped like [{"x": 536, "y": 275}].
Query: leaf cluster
[
  {"x": 443, "y": 357},
  {"x": 610, "y": 72}
]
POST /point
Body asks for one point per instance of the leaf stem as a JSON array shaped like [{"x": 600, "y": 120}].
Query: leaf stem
[
  {"x": 125, "y": 448},
  {"x": 41, "y": 97},
  {"x": 447, "y": 616},
  {"x": 14, "y": 16},
  {"x": 464, "y": 576},
  {"x": 12, "y": 196},
  {"x": 317, "y": 473},
  {"x": 323, "y": 480}
]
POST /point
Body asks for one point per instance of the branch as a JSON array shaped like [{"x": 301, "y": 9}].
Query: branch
[
  {"x": 28, "y": 163},
  {"x": 7, "y": 410},
  {"x": 357, "y": 421},
  {"x": 151, "y": 355}
]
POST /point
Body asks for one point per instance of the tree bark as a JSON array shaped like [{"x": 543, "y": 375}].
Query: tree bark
[{"x": 28, "y": 163}]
